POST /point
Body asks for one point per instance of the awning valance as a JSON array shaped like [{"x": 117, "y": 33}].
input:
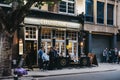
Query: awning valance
[{"x": 54, "y": 23}]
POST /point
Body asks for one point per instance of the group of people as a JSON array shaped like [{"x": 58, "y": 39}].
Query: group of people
[
  {"x": 111, "y": 55},
  {"x": 48, "y": 60}
]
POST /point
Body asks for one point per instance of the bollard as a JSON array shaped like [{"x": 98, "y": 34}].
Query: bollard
[{"x": 16, "y": 77}]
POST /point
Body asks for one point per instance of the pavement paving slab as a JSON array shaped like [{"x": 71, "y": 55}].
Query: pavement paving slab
[{"x": 103, "y": 67}]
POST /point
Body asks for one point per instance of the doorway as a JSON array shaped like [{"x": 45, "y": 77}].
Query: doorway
[{"x": 31, "y": 51}]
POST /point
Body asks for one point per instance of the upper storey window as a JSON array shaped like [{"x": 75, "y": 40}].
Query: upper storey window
[
  {"x": 110, "y": 14},
  {"x": 100, "y": 12},
  {"x": 67, "y": 6},
  {"x": 89, "y": 11}
]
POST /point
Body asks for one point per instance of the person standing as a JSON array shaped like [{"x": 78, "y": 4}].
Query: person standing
[
  {"x": 51, "y": 56},
  {"x": 40, "y": 61},
  {"x": 105, "y": 53},
  {"x": 45, "y": 59},
  {"x": 56, "y": 58},
  {"x": 118, "y": 57},
  {"x": 29, "y": 59}
]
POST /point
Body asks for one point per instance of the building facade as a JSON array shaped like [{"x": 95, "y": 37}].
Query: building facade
[
  {"x": 60, "y": 24},
  {"x": 54, "y": 25},
  {"x": 102, "y": 19}
]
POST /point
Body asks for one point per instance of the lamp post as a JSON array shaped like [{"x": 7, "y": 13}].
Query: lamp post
[
  {"x": 81, "y": 33},
  {"x": 53, "y": 37}
]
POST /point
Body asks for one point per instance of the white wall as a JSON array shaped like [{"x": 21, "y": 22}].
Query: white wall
[{"x": 80, "y": 6}]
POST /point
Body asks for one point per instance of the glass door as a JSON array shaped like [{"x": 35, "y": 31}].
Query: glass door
[
  {"x": 72, "y": 50},
  {"x": 61, "y": 48},
  {"x": 31, "y": 52}
]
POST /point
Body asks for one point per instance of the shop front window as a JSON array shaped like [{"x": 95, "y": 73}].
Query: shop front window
[
  {"x": 30, "y": 33},
  {"x": 72, "y": 45},
  {"x": 46, "y": 33},
  {"x": 72, "y": 35},
  {"x": 60, "y": 35}
]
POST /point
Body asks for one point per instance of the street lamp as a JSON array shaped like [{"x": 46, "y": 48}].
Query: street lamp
[
  {"x": 81, "y": 44},
  {"x": 81, "y": 31}
]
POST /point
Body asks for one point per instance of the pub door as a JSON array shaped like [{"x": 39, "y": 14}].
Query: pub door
[{"x": 31, "y": 52}]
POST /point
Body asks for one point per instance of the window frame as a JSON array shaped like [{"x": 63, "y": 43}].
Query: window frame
[
  {"x": 67, "y": 7},
  {"x": 100, "y": 19},
  {"x": 88, "y": 17},
  {"x": 36, "y": 33},
  {"x": 112, "y": 13}
]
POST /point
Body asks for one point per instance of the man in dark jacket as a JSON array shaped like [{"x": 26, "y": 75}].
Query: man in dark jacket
[
  {"x": 51, "y": 57},
  {"x": 56, "y": 58}
]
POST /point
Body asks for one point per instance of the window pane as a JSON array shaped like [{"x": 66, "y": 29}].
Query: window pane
[
  {"x": 46, "y": 33},
  {"x": 89, "y": 11},
  {"x": 110, "y": 14},
  {"x": 100, "y": 12},
  {"x": 30, "y": 32},
  {"x": 70, "y": 0},
  {"x": 63, "y": 6},
  {"x": 67, "y": 6},
  {"x": 72, "y": 35},
  {"x": 70, "y": 7},
  {"x": 60, "y": 35}
]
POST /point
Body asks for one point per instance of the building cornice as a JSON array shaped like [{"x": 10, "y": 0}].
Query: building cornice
[{"x": 100, "y": 28}]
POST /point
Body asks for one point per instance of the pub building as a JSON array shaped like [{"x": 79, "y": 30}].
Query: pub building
[{"x": 49, "y": 29}]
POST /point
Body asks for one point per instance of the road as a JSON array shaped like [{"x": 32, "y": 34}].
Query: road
[{"x": 109, "y": 75}]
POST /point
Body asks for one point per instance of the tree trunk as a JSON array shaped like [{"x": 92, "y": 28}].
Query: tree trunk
[
  {"x": 9, "y": 23},
  {"x": 5, "y": 55}
]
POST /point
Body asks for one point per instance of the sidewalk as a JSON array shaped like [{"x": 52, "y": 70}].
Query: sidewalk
[
  {"x": 103, "y": 67},
  {"x": 66, "y": 71}
]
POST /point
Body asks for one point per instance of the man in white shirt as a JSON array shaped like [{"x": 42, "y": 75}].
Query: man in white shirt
[{"x": 45, "y": 59}]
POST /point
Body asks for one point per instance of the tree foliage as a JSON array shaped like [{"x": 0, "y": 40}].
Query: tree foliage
[{"x": 9, "y": 21}]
